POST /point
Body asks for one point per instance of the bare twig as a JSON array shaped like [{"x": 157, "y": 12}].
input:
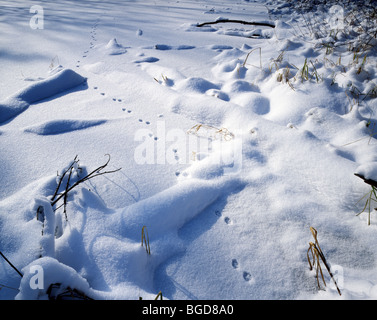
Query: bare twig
[
  {"x": 371, "y": 182},
  {"x": 21, "y": 275},
  {"x": 159, "y": 296},
  {"x": 370, "y": 195},
  {"x": 61, "y": 178},
  {"x": 265, "y": 24},
  {"x": 7, "y": 287},
  {"x": 260, "y": 57},
  {"x": 57, "y": 292},
  {"x": 317, "y": 253},
  {"x": 66, "y": 195},
  {"x": 94, "y": 173},
  {"x": 145, "y": 239}
]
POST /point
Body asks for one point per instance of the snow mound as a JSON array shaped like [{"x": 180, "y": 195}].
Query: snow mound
[
  {"x": 57, "y": 83},
  {"x": 368, "y": 170},
  {"x": 54, "y": 272},
  {"x": 253, "y": 101},
  {"x": 239, "y": 86},
  {"x": 196, "y": 84},
  {"x": 114, "y": 48},
  {"x": 172, "y": 208}
]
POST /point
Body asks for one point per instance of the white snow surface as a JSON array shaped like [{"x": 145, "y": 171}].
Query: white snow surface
[{"x": 224, "y": 166}]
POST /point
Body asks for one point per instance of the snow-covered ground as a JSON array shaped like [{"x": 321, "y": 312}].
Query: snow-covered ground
[{"x": 233, "y": 141}]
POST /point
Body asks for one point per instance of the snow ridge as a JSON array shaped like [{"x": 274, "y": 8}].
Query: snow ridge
[{"x": 59, "y": 82}]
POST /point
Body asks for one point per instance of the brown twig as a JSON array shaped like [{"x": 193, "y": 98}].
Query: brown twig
[
  {"x": 317, "y": 253},
  {"x": 145, "y": 239},
  {"x": 159, "y": 295}
]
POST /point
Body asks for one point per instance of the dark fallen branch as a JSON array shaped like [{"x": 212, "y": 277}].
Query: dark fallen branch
[
  {"x": 263, "y": 24},
  {"x": 7, "y": 287},
  {"x": 367, "y": 181},
  {"x": 66, "y": 194},
  {"x": 62, "y": 176},
  {"x": 57, "y": 292},
  {"x": 94, "y": 173},
  {"x": 5, "y": 258}
]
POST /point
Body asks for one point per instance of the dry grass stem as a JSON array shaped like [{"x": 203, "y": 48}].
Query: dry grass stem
[
  {"x": 214, "y": 132},
  {"x": 318, "y": 255},
  {"x": 145, "y": 239}
]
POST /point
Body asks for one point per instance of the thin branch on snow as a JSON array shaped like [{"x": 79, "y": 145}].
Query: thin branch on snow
[
  {"x": 61, "y": 178},
  {"x": 5, "y": 258},
  {"x": 94, "y": 173},
  {"x": 371, "y": 182},
  {"x": 264, "y": 24}
]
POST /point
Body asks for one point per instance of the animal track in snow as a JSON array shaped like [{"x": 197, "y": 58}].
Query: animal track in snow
[
  {"x": 91, "y": 44},
  {"x": 218, "y": 94},
  {"x": 247, "y": 276}
]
